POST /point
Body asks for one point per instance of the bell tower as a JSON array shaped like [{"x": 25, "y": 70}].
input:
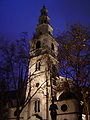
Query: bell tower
[{"x": 42, "y": 68}]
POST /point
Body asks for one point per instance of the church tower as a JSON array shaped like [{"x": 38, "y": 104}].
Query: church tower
[{"x": 43, "y": 63}]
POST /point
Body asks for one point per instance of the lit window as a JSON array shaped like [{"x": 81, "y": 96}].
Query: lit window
[
  {"x": 37, "y": 106},
  {"x": 38, "y": 64},
  {"x": 38, "y": 44}
]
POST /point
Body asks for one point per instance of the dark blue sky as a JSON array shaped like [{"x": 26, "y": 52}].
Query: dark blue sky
[{"x": 22, "y": 15}]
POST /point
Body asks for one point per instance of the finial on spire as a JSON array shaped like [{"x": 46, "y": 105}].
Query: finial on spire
[
  {"x": 44, "y": 7},
  {"x": 44, "y": 11}
]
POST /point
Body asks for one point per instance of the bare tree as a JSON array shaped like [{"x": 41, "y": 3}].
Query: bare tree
[
  {"x": 74, "y": 54},
  {"x": 14, "y": 67}
]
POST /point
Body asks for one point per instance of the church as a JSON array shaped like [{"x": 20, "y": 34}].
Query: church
[{"x": 44, "y": 81}]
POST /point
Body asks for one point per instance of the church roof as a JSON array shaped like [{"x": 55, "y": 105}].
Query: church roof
[{"x": 67, "y": 96}]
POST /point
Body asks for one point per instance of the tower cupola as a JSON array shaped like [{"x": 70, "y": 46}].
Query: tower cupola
[
  {"x": 44, "y": 16},
  {"x": 43, "y": 26}
]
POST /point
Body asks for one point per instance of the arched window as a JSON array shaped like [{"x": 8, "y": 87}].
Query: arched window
[
  {"x": 37, "y": 106},
  {"x": 52, "y": 45},
  {"x": 38, "y": 44}
]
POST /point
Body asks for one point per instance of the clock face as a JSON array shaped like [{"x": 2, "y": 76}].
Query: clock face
[{"x": 64, "y": 107}]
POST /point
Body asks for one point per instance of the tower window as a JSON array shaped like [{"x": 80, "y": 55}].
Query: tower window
[
  {"x": 40, "y": 33},
  {"x": 49, "y": 33},
  {"x": 38, "y": 64},
  {"x": 38, "y": 44},
  {"x": 52, "y": 45},
  {"x": 37, "y": 106},
  {"x": 41, "y": 21},
  {"x": 44, "y": 21}
]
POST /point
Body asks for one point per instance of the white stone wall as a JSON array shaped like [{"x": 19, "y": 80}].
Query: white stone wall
[{"x": 72, "y": 110}]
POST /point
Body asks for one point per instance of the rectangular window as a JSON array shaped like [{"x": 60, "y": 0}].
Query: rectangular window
[
  {"x": 37, "y": 106},
  {"x": 38, "y": 66}
]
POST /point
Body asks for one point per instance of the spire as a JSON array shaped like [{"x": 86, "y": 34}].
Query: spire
[
  {"x": 44, "y": 16},
  {"x": 44, "y": 11}
]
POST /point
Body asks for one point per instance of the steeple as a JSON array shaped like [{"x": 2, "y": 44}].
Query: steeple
[
  {"x": 43, "y": 26},
  {"x": 44, "y": 16},
  {"x": 43, "y": 51}
]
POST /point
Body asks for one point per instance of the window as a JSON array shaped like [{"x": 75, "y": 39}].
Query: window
[
  {"x": 49, "y": 33},
  {"x": 52, "y": 46},
  {"x": 37, "y": 106},
  {"x": 45, "y": 21},
  {"x": 37, "y": 84},
  {"x": 38, "y": 44},
  {"x": 40, "y": 33},
  {"x": 64, "y": 107},
  {"x": 38, "y": 64},
  {"x": 41, "y": 21}
]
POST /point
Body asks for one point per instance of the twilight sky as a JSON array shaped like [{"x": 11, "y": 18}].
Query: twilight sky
[{"x": 22, "y": 15}]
